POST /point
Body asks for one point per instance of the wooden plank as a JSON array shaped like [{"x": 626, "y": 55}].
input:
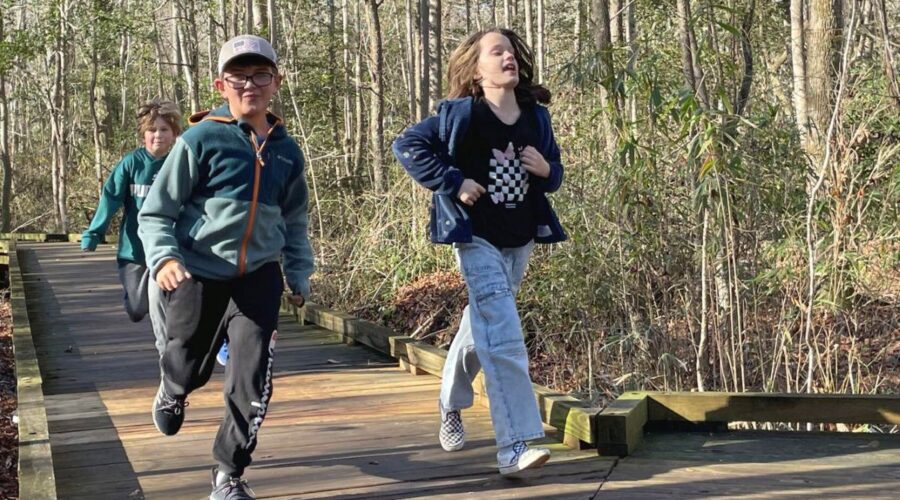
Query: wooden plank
[
  {"x": 763, "y": 407},
  {"x": 36, "y": 475},
  {"x": 620, "y": 426}
]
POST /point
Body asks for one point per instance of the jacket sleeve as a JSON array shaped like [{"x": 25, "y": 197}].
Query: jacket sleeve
[
  {"x": 156, "y": 221},
  {"x": 111, "y": 200},
  {"x": 298, "y": 261},
  {"x": 550, "y": 151},
  {"x": 420, "y": 151}
]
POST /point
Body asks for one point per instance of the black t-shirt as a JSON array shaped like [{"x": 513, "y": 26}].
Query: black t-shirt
[{"x": 506, "y": 215}]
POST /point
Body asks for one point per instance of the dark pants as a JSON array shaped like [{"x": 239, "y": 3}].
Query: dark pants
[
  {"x": 199, "y": 315},
  {"x": 134, "y": 278}
]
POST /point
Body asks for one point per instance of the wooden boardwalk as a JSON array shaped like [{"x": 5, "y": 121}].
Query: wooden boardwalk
[{"x": 345, "y": 422}]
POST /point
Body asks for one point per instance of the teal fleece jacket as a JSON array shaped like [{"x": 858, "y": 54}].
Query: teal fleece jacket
[
  {"x": 224, "y": 205},
  {"x": 127, "y": 186}
]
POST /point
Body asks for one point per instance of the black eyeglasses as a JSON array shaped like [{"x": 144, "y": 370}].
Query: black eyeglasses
[{"x": 238, "y": 82}]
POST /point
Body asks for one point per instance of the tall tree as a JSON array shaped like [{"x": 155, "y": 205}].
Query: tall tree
[
  {"x": 376, "y": 73},
  {"x": 348, "y": 116},
  {"x": 435, "y": 42},
  {"x": 539, "y": 48},
  {"x": 332, "y": 76},
  {"x": 425, "y": 59},
  {"x": 5, "y": 160}
]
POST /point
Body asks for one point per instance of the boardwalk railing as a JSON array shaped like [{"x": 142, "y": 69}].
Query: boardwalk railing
[
  {"x": 572, "y": 417},
  {"x": 36, "y": 477}
]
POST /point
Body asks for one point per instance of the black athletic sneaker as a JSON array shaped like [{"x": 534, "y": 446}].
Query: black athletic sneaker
[
  {"x": 168, "y": 413},
  {"x": 233, "y": 489}
]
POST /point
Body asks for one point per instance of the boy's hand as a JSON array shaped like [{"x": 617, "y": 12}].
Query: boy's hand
[
  {"x": 171, "y": 274},
  {"x": 534, "y": 162},
  {"x": 297, "y": 300},
  {"x": 470, "y": 191}
]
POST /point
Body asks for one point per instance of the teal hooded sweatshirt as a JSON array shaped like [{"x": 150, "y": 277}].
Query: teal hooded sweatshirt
[
  {"x": 127, "y": 186},
  {"x": 224, "y": 205}
]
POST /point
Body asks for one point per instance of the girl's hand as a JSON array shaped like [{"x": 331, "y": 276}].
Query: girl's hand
[
  {"x": 534, "y": 162},
  {"x": 470, "y": 191},
  {"x": 171, "y": 274}
]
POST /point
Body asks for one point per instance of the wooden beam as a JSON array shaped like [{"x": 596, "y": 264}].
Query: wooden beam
[
  {"x": 620, "y": 426},
  {"x": 572, "y": 416},
  {"x": 36, "y": 476},
  {"x": 765, "y": 407},
  {"x": 359, "y": 330}
]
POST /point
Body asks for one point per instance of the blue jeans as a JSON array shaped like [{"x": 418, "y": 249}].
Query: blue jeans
[{"x": 490, "y": 339}]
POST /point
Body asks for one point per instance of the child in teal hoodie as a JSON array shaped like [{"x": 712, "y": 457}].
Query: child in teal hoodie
[{"x": 159, "y": 123}]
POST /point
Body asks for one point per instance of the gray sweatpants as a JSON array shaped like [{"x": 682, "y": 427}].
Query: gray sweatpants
[{"x": 142, "y": 296}]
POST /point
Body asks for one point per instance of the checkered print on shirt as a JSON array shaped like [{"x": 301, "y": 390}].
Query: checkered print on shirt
[{"x": 509, "y": 178}]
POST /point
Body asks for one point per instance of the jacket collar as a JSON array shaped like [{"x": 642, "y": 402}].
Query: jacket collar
[{"x": 222, "y": 114}]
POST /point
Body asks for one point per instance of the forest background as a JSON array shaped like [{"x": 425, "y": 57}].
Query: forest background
[{"x": 732, "y": 168}]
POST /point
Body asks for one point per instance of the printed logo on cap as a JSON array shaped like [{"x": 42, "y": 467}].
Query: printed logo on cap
[{"x": 242, "y": 46}]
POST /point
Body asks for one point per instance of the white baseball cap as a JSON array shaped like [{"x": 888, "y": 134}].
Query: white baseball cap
[{"x": 243, "y": 45}]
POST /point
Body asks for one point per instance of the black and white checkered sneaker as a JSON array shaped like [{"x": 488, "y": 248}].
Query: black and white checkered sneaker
[
  {"x": 518, "y": 457},
  {"x": 452, "y": 434}
]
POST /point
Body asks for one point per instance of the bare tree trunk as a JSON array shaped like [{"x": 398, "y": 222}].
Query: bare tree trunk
[
  {"x": 223, "y": 18},
  {"x": 124, "y": 60},
  {"x": 249, "y": 21},
  {"x": 272, "y": 16},
  {"x": 95, "y": 121},
  {"x": 411, "y": 61},
  {"x": 507, "y": 16},
  {"x": 615, "y": 21},
  {"x": 579, "y": 23},
  {"x": 693, "y": 73},
  {"x": 434, "y": 82},
  {"x": 631, "y": 40},
  {"x": 425, "y": 64},
  {"x": 332, "y": 76},
  {"x": 376, "y": 123},
  {"x": 176, "y": 52},
  {"x": 359, "y": 141},
  {"x": 798, "y": 62},
  {"x": 603, "y": 45},
  {"x": 59, "y": 106},
  {"x": 186, "y": 35},
  {"x": 260, "y": 22},
  {"x": 891, "y": 74},
  {"x": 821, "y": 33},
  {"x": 157, "y": 45},
  {"x": 348, "y": 120},
  {"x": 539, "y": 52},
  {"x": 5, "y": 157},
  {"x": 529, "y": 23},
  {"x": 702, "y": 360}
]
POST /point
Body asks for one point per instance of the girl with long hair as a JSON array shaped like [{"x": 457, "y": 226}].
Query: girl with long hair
[{"x": 490, "y": 158}]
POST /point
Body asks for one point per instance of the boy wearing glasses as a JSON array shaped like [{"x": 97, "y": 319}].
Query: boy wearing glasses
[{"x": 229, "y": 202}]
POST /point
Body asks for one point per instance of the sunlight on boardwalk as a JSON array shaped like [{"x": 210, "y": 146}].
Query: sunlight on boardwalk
[{"x": 344, "y": 422}]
